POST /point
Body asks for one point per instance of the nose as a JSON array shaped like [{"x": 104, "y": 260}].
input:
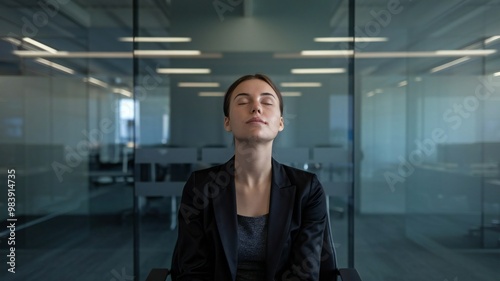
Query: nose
[{"x": 256, "y": 108}]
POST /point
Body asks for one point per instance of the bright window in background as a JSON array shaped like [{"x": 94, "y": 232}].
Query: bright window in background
[
  {"x": 165, "y": 128},
  {"x": 127, "y": 109}
]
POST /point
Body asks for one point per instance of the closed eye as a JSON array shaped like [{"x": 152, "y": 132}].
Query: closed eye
[
  {"x": 242, "y": 101},
  {"x": 267, "y": 101}
]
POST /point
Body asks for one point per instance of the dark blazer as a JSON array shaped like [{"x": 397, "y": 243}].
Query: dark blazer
[{"x": 299, "y": 246}]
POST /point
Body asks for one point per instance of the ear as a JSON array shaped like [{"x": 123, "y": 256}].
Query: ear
[
  {"x": 282, "y": 124},
  {"x": 227, "y": 125}
]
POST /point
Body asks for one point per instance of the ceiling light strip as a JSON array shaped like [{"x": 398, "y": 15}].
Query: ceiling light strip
[
  {"x": 183, "y": 70},
  {"x": 449, "y": 64},
  {"x": 122, "y": 91},
  {"x": 318, "y": 70},
  {"x": 291, "y": 94},
  {"x": 39, "y": 45},
  {"x": 350, "y": 39},
  {"x": 465, "y": 52},
  {"x": 491, "y": 39},
  {"x": 96, "y": 82},
  {"x": 303, "y": 54},
  {"x": 13, "y": 41},
  {"x": 439, "y": 53},
  {"x": 139, "y": 53},
  {"x": 198, "y": 84},
  {"x": 159, "y": 53},
  {"x": 211, "y": 94},
  {"x": 63, "y": 54},
  {"x": 381, "y": 55},
  {"x": 155, "y": 39},
  {"x": 55, "y": 65},
  {"x": 327, "y": 53},
  {"x": 301, "y": 84}
]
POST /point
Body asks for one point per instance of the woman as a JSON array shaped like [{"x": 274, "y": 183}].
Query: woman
[{"x": 253, "y": 218}]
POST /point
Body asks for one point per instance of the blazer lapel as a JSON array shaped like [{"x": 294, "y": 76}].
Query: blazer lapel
[
  {"x": 225, "y": 217},
  {"x": 280, "y": 213}
]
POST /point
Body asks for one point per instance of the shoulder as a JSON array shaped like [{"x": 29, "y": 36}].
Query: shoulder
[
  {"x": 310, "y": 196},
  {"x": 297, "y": 175},
  {"x": 301, "y": 179}
]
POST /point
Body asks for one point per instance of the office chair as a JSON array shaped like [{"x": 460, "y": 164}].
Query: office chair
[{"x": 345, "y": 274}]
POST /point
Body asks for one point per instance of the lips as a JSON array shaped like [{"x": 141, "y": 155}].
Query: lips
[{"x": 256, "y": 120}]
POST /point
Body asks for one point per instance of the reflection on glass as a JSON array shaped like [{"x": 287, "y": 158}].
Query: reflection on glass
[{"x": 429, "y": 166}]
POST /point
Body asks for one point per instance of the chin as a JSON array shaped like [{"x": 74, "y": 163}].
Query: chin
[{"x": 255, "y": 139}]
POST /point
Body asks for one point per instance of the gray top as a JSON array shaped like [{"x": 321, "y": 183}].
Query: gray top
[{"x": 252, "y": 241}]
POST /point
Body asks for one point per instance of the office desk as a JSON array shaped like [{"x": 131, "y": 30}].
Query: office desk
[{"x": 457, "y": 190}]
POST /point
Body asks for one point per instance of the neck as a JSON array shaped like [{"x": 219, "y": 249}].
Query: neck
[{"x": 253, "y": 164}]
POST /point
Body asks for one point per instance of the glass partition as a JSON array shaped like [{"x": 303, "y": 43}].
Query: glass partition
[
  {"x": 107, "y": 107},
  {"x": 63, "y": 130},
  {"x": 429, "y": 140},
  {"x": 196, "y": 51}
]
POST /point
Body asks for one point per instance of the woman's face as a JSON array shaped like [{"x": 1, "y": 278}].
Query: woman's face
[{"x": 254, "y": 112}]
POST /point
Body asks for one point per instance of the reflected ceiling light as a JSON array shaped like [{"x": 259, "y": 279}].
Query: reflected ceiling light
[
  {"x": 156, "y": 39},
  {"x": 370, "y": 94},
  {"x": 211, "y": 94},
  {"x": 198, "y": 84},
  {"x": 301, "y": 84},
  {"x": 64, "y": 54},
  {"x": 39, "y": 45},
  {"x": 13, "y": 41},
  {"x": 95, "y": 81},
  {"x": 496, "y": 74},
  {"x": 55, "y": 65},
  {"x": 183, "y": 70},
  {"x": 156, "y": 53},
  {"x": 350, "y": 39},
  {"x": 379, "y": 91},
  {"x": 449, "y": 64},
  {"x": 291, "y": 94},
  {"x": 403, "y": 83},
  {"x": 122, "y": 91},
  {"x": 327, "y": 53},
  {"x": 317, "y": 70},
  {"x": 491, "y": 39},
  {"x": 465, "y": 52},
  {"x": 117, "y": 55},
  {"x": 438, "y": 53},
  {"x": 379, "y": 55}
]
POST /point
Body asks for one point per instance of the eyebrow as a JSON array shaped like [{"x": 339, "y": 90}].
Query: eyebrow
[{"x": 246, "y": 94}]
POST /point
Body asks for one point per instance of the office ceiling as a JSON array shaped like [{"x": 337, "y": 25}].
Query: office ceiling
[{"x": 251, "y": 35}]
